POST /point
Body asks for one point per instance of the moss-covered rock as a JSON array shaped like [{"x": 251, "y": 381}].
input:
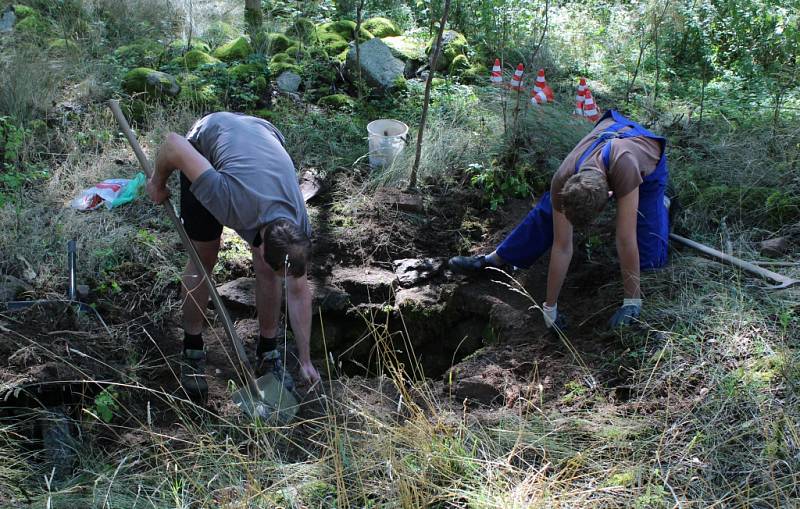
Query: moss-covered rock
[
  {"x": 194, "y": 59},
  {"x": 381, "y": 27},
  {"x": 333, "y": 43},
  {"x": 475, "y": 74},
  {"x": 61, "y": 46},
  {"x": 237, "y": 49},
  {"x": 180, "y": 46},
  {"x": 151, "y": 82},
  {"x": 23, "y": 11},
  {"x": 282, "y": 58},
  {"x": 278, "y": 68},
  {"x": 453, "y": 44},
  {"x": 219, "y": 33},
  {"x": 246, "y": 72},
  {"x": 337, "y": 101},
  {"x": 303, "y": 29},
  {"x": 405, "y": 48},
  {"x": 197, "y": 92},
  {"x": 143, "y": 53},
  {"x": 33, "y": 26},
  {"x": 277, "y": 43},
  {"x": 459, "y": 65},
  {"x": 345, "y": 29}
]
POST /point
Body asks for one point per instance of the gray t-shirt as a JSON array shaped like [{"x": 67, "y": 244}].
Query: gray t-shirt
[{"x": 253, "y": 180}]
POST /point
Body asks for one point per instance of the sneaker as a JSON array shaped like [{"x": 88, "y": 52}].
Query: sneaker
[
  {"x": 270, "y": 362},
  {"x": 468, "y": 264},
  {"x": 193, "y": 373}
]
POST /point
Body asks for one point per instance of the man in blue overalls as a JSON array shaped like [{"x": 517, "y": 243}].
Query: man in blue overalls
[{"x": 618, "y": 158}]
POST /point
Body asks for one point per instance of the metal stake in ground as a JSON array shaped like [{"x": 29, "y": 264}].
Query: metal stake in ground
[{"x": 266, "y": 397}]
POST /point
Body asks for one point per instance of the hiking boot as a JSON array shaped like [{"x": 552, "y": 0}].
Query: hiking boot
[
  {"x": 270, "y": 362},
  {"x": 193, "y": 374}
]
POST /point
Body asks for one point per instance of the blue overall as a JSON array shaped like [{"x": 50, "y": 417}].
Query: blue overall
[{"x": 534, "y": 236}]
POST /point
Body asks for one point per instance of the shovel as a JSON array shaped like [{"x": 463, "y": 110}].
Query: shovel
[
  {"x": 265, "y": 398},
  {"x": 780, "y": 280}
]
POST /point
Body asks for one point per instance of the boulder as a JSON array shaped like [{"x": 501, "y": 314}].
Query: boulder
[
  {"x": 409, "y": 50},
  {"x": 237, "y": 49},
  {"x": 329, "y": 298},
  {"x": 246, "y": 72},
  {"x": 333, "y": 43},
  {"x": 276, "y": 69},
  {"x": 345, "y": 29},
  {"x": 278, "y": 43},
  {"x": 364, "y": 284},
  {"x": 412, "y": 271},
  {"x": 453, "y": 44},
  {"x": 150, "y": 81},
  {"x": 195, "y": 58},
  {"x": 381, "y": 27},
  {"x": 459, "y": 65},
  {"x": 303, "y": 29},
  {"x": 7, "y": 19},
  {"x": 239, "y": 294},
  {"x": 289, "y": 81},
  {"x": 379, "y": 68},
  {"x": 774, "y": 247}
]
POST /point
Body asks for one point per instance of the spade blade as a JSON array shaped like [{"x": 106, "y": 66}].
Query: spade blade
[{"x": 274, "y": 404}]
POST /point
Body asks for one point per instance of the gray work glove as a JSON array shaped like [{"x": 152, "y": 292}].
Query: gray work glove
[
  {"x": 626, "y": 314},
  {"x": 553, "y": 318}
]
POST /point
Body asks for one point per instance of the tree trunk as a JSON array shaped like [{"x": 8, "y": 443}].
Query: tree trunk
[
  {"x": 254, "y": 18},
  {"x": 412, "y": 182},
  {"x": 360, "y": 83}
]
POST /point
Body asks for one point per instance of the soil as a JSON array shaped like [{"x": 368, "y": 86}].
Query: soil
[{"x": 478, "y": 338}]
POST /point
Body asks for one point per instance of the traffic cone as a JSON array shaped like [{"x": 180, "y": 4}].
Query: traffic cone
[
  {"x": 590, "y": 108},
  {"x": 541, "y": 86},
  {"x": 538, "y": 97},
  {"x": 580, "y": 97},
  {"x": 516, "y": 80},
  {"x": 497, "y": 73}
]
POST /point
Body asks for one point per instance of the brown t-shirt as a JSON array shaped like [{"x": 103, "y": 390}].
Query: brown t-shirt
[{"x": 631, "y": 160}]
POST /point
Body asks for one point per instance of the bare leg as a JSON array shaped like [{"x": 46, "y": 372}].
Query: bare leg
[
  {"x": 195, "y": 289},
  {"x": 268, "y": 295}
]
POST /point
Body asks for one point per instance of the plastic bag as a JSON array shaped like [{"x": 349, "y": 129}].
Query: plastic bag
[{"x": 111, "y": 193}]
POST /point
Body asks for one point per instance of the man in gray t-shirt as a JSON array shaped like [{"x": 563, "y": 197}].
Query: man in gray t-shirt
[{"x": 235, "y": 172}]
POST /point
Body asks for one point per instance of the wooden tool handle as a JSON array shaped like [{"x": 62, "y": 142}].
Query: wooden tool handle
[{"x": 227, "y": 323}]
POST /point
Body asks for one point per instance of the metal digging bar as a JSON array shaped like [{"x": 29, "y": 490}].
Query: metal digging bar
[
  {"x": 780, "y": 280},
  {"x": 266, "y": 397},
  {"x": 72, "y": 292}
]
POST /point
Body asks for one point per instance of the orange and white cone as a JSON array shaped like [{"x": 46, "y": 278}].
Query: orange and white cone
[
  {"x": 516, "y": 80},
  {"x": 497, "y": 73},
  {"x": 580, "y": 97},
  {"x": 541, "y": 86},
  {"x": 590, "y": 108},
  {"x": 538, "y": 97}
]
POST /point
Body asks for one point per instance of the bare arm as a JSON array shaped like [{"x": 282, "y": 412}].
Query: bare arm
[
  {"x": 299, "y": 297},
  {"x": 176, "y": 153},
  {"x": 560, "y": 256},
  {"x": 627, "y": 246}
]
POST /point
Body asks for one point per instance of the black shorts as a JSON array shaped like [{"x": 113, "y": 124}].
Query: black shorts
[{"x": 199, "y": 223}]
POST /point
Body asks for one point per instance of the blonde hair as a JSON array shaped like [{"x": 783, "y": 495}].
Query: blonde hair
[{"x": 584, "y": 197}]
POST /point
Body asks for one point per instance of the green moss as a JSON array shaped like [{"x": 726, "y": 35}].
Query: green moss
[
  {"x": 150, "y": 81},
  {"x": 278, "y": 68},
  {"x": 194, "y": 59},
  {"x": 23, "y": 11},
  {"x": 282, "y": 58},
  {"x": 246, "y": 72},
  {"x": 237, "y": 49},
  {"x": 264, "y": 113},
  {"x": 259, "y": 84},
  {"x": 459, "y": 65},
  {"x": 333, "y": 44},
  {"x": 337, "y": 101},
  {"x": 33, "y": 26},
  {"x": 303, "y": 29},
  {"x": 381, "y": 27},
  {"x": 294, "y": 51},
  {"x": 453, "y": 44},
  {"x": 400, "y": 84},
  {"x": 144, "y": 53},
  {"x": 62, "y": 46},
  {"x": 179, "y": 46},
  {"x": 475, "y": 74},
  {"x": 345, "y": 29},
  {"x": 277, "y": 43},
  {"x": 405, "y": 48}
]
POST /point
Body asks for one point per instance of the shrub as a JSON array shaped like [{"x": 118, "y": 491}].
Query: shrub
[
  {"x": 144, "y": 53},
  {"x": 246, "y": 72}
]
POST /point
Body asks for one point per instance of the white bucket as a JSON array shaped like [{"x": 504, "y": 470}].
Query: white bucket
[{"x": 386, "y": 139}]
